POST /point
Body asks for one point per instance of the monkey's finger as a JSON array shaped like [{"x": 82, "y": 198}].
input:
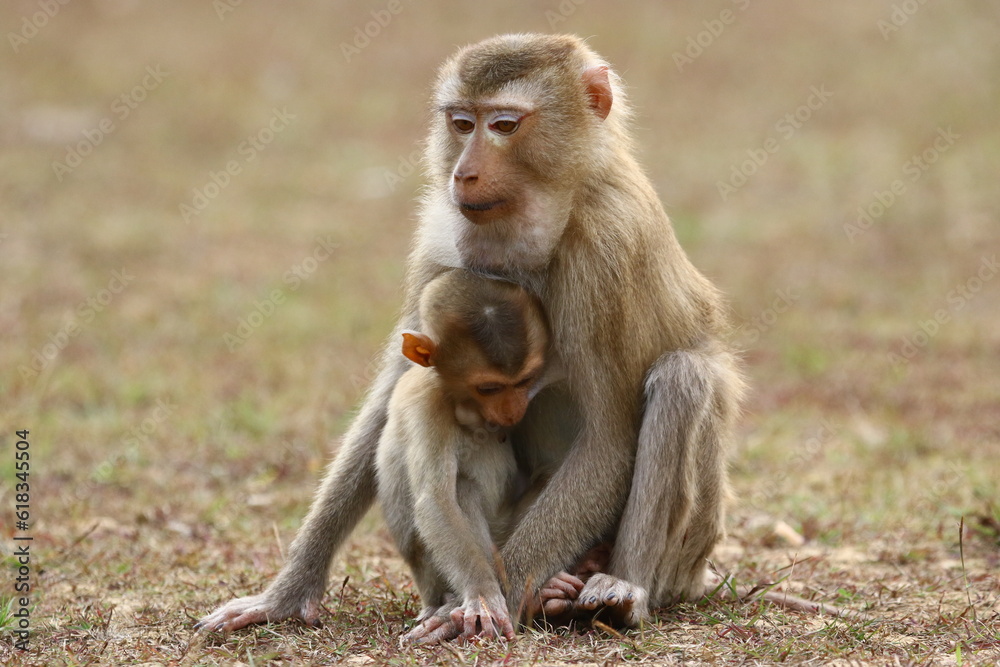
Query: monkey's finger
[
  {"x": 565, "y": 583},
  {"x": 628, "y": 607},
  {"x": 242, "y": 620},
  {"x": 507, "y": 627},
  {"x": 607, "y": 591},
  {"x": 474, "y": 615},
  {"x": 547, "y": 594},
  {"x": 445, "y": 632},
  {"x": 558, "y": 607},
  {"x": 626, "y": 612},
  {"x": 622, "y": 602},
  {"x": 310, "y": 614},
  {"x": 571, "y": 579},
  {"x": 422, "y": 629},
  {"x": 458, "y": 616},
  {"x": 432, "y": 624},
  {"x": 489, "y": 629}
]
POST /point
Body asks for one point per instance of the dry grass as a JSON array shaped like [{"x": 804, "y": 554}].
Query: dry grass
[{"x": 169, "y": 473}]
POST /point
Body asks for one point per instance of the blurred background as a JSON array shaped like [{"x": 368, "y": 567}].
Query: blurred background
[{"x": 205, "y": 209}]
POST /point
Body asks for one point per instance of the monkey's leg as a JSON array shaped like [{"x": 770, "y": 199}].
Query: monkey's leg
[
  {"x": 433, "y": 623},
  {"x": 396, "y": 499},
  {"x": 674, "y": 514},
  {"x": 346, "y": 493},
  {"x": 457, "y": 532}
]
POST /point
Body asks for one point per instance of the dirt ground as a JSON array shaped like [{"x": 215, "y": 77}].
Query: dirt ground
[{"x": 205, "y": 210}]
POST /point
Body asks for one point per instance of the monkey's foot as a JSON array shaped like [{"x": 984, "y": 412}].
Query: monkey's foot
[
  {"x": 433, "y": 627},
  {"x": 242, "y": 612},
  {"x": 615, "y": 600},
  {"x": 483, "y": 617}
]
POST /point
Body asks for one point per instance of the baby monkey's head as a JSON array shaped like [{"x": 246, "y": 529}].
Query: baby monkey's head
[{"x": 486, "y": 338}]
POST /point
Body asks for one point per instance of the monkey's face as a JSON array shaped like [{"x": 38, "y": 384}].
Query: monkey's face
[
  {"x": 502, "y": 399},
  {"x": 516, "y": 212},
  {"x": 501, "y": 403},
  {"x": 486, "y": 184},
  {"x": 519, "y": 117}
]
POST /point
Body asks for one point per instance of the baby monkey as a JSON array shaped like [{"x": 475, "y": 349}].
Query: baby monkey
[{"x": 446, "y": 472}]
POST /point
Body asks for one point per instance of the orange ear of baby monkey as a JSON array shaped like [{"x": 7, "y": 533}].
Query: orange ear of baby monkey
[{"x": 418, "y": 348}]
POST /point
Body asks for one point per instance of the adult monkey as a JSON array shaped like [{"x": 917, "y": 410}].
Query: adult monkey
[{"x": 532, "y": 178}]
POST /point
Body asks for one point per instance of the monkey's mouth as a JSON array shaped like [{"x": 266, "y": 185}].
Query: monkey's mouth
[
  {"x": 485, "y": 206},
  {"x": 481, "y": 213}
]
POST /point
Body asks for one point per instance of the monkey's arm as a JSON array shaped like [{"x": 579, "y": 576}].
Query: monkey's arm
[
  {"x": 346, "y": 493},
  {"x": 581, "y": 502},
  {"x": 451, "y": 520}
]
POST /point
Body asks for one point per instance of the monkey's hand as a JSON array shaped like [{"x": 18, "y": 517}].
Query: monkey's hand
[
  {"x": 433, "y": 627},
  {"x": 557, "y": 598},
  {"x": 242, "y": 612},
  {"x": 483, "y": 616},
  {"x": 624, "y": 603}
]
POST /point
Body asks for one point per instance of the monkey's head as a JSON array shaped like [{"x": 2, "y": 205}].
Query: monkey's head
[
  {"x": 486, "y": 339},
  {"x": 520, "y": 123}
]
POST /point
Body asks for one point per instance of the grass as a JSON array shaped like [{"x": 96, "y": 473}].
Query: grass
[{"x": 171, "y": 468}]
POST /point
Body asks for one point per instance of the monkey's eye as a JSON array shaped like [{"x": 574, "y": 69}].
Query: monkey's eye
[
  {"x": 505, "y": 125},
  {"x": 463, "y": 124},
  {"x": 525, "y": 382},
  {"x": 489, "y": 389}
]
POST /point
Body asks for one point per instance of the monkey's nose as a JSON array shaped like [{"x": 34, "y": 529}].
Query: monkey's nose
[{"x": 466, "y": 177}]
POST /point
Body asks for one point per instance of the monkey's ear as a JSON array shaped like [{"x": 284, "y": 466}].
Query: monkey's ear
[
  {"x": 598, "y": 90},
  {"x": 418, "y": 348}
]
